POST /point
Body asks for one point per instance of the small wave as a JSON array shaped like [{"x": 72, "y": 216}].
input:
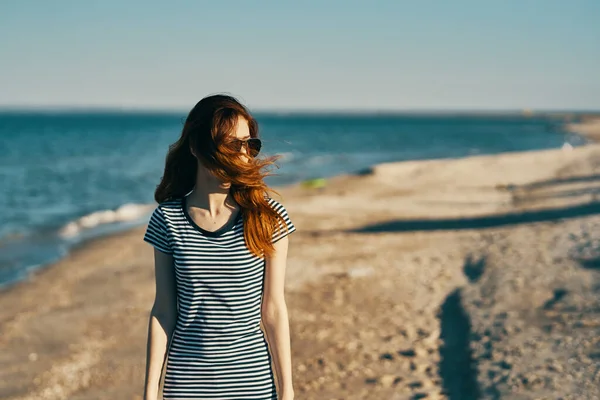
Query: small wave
[
  {"x": 126, "y": 212},
  {"x": 567, "y": 146}
]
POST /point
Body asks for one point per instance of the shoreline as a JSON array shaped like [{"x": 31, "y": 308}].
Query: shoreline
[
  {"x": 589, "y": 127},
  {"x": 373, "y": 292}
]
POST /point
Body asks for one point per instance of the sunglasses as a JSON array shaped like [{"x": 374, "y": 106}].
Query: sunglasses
[{"x": 253, "y": 145}]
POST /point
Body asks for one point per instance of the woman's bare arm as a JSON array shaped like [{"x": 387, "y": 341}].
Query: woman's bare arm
[
  {"x": 162, "y": 322},
  {"x": 275, "y": 318}
]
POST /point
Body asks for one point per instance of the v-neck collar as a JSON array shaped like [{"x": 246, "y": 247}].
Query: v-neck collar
[{"x": 230, "y": 224}]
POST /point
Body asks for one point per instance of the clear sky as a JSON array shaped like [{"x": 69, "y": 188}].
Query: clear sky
[{"x": 384, "y": 55}]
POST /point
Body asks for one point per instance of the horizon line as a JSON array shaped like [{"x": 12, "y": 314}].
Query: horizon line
[{"x": 297, "y": 110}]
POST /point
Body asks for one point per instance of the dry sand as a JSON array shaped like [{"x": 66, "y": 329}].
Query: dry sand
[
  {"x": 589, "y": 126},
  {"x": 460, "y": 279}
]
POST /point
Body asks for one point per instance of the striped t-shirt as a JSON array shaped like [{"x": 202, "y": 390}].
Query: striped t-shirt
[{"x": 217, "y": 350}]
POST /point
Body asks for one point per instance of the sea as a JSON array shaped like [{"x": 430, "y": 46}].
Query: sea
[{"x": 68, "y": 177}]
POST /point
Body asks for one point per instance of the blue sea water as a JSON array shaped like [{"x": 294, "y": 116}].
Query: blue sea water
[{"x": 70, "y": 176}]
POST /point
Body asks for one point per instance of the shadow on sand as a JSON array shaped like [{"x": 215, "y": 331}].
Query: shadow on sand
[
  {"x": 555, "y": 188},
  {"x": 489, "y": 221},
  {"x": 458, "y": 368}
]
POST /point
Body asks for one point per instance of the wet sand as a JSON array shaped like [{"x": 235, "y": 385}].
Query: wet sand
[{"x": 468, "y": 278}]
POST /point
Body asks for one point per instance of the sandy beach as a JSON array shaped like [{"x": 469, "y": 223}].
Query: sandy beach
[
  {"x": 440, "y": 279},
  {"x": 589, "y": 126}
]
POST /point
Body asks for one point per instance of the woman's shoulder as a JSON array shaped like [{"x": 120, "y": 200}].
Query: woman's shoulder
[
  {"x": 285, "y": 226},
  {"x": 277, "y": 205},
  {"x": 172, "y": 203},
  {"x": 165, "y": 210}
]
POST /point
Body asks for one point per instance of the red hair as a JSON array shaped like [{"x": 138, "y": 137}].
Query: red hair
[{"x": 206, "y": 130}]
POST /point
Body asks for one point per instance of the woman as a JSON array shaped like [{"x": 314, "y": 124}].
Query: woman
[{"x": 220, "y": 257}]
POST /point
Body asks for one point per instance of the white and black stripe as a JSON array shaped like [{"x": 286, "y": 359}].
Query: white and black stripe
[{"x": 218, "y": 350}]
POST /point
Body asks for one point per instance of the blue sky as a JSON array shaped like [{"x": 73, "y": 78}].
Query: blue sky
[{"x": 310, "y": 55}]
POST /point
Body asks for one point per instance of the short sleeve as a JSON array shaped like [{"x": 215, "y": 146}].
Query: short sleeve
[
  {"x": 280, "y": 232},
  {"x": 157, "y": 233}
]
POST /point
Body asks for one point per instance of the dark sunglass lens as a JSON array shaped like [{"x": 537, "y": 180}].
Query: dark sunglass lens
[
  {"x": 254, "y": 145},
  {"x": 237, "y": 144}
]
